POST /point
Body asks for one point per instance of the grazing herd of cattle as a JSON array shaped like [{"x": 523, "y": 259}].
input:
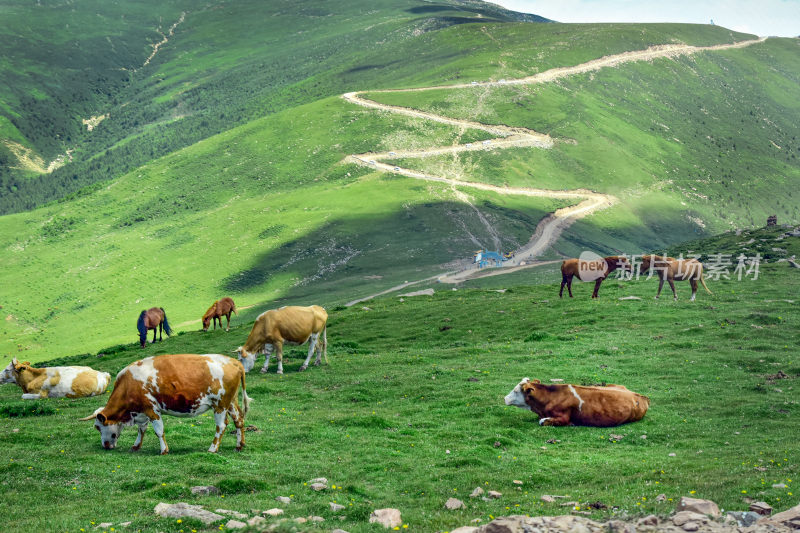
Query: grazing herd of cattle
[{"x": 188, "y": 385}]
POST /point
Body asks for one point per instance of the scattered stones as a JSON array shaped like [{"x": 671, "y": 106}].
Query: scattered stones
[
  {"x": 789, "y": 518},
  {"x": 235, "y": 524},
  {"x": 465, "y": 529},
  {"x": 673, "y": 454},
  {"x": 256, "y": 521},
  {"x": 273, "y": 512},
  {"x": 661, "y": 498},
  {"x": 300, "y": 520},
  {"x": 684, "y": 517},
  {"x": 339, "y": 531},
  {"x": 779, "y": 486},
  {"x": 319, "y": 480},
  {"x": 546, "y": 498},
  {"x": 761, "y": 508},
  {"x": 493, "y": 494},
  {"x": 318, "y": 486},
  {"x": 283, "y": 499},
  {"x": 388, "y": 517},
  {"x": 234, "y": 514},
  {"x": 649, "y": 520},
  {"x": 744, "y": 518},
  {"x": 204, "y": 490},
  {"x": 104, "y": 525},
  {"x": 630, "y": 298},
  {"x": 477, "y": 492},
  {"x": 336, "y": 507},
  {"x": 125, "y": 524},
  {"x": 315, "y": 519},
  {"x": 569, "y": 504},
  {"x": 423, "y": 292},
  {"x": 517, "y": 482},
  {"x": 691, "y": 526},
  {"x": 697, "y": 505},
  {"x": 497, "y": 444},
  {"x": 185, "y": 510},
  {"x": 454, "y": 503},
  {"x": 615, "y": 437}
]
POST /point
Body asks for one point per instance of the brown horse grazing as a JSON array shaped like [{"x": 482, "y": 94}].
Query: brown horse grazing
[
  {"x": 153, "y": 318},
  {"x": 670, "y": 269},
  {"x": 218, "y": 309},
  {"x": 591, "y": 270}
]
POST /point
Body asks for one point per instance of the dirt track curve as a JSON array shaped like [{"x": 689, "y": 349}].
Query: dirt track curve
[{"x": 553, "y": 225}]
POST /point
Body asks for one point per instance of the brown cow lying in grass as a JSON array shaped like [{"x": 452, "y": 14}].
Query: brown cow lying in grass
[
  {"x": 592, "y": 270},
  {"x": 55, "y": 381},
  {"x": 670, "y": 269},
  {"x": 578, "y": 405},
  {"x": 291, "y": 324}
]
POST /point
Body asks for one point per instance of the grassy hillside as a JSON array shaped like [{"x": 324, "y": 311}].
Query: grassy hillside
[
  {"x": 266, "y": 213},
  {"x": 694, "y": 145},
  {"x": 223, "y": 64},
  {"x": 410, "y": 413}
]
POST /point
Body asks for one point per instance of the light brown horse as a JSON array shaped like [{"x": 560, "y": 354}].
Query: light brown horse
[
  {"x": 670, "y": 269},
  {"x": 153, "y": 318},
  {"x": 591, "y": 270},
  {"x": 218, "y": 309}
]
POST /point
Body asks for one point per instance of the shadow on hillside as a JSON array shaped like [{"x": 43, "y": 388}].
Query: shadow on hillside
[{"x": 347, "y": 253}]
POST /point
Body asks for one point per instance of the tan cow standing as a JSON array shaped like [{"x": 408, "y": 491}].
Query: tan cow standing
[
  {"x": 579, "y": 405},
  {"x": 55, "y": 381},
  {"x": 670, "y": 269},
  {"x": 291, "y": 324}
]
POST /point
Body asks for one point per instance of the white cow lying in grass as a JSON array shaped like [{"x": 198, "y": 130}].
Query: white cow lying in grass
[{"x": 55, "y": 381}]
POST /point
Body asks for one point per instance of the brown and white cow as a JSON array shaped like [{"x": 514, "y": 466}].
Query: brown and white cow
[
  {"x": 579, "y": 405},
  {"x": 671, "y": 270},
  {"x": 55, "y": 381},
  {"x": 594, "y": 268},
  {"x": 184, "y": 385},
  {"x": 291, "y": 324}
]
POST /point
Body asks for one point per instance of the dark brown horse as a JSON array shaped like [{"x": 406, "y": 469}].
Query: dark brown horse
[
  {"x": 218, "y": 309},
  {"x": 153, "y": 318},
  {"x": 590, "y": 270}
]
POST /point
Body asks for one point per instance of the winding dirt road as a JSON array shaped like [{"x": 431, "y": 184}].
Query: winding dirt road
[{"x": 553, "y": 225}]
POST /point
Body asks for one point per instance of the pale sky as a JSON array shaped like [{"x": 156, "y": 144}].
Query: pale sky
[{"x": 761, "y": 17}]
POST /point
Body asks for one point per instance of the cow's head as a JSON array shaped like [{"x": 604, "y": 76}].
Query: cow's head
[
  {"x": 7, "y": 376},
  {"x": 517, "y": 396},
  {"x": 248, "y": 360},
  {"x": 109, "y": 431}
]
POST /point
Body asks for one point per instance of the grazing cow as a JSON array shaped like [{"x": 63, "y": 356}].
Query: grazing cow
[
  {"x": 578, "y": 405},
  {"x": 55, "y": 381},
  {"x": 183, "y": 385},
  {"x": 591, "y": 270},
  {"x": 291, "y": 324},
  {"x": 218, "y": 309},
  {"x": 670, "y": 269}
]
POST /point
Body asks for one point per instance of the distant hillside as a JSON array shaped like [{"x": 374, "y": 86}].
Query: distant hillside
[{"x": 152, "y": 77}]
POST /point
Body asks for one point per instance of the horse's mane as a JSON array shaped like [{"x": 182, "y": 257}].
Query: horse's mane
[{"x": 141, "y": 327}]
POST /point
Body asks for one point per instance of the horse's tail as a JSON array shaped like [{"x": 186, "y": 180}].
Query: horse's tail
[
  {"x": 703, "y": 281},
  {"x": 233, "y": 308},
  {"x": 167, "y": 329},
  {"x": 141, "y": 327}
]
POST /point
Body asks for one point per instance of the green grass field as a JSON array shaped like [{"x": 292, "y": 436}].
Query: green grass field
[{"x": 410, "y": 381}]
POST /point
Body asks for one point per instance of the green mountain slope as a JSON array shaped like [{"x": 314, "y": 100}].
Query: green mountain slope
[
  {"x": 217, "y": 65},
  {"x": 268, "y": 213}
]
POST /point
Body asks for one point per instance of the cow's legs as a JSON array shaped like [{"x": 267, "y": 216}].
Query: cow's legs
[
  {"x": 324, "y": 345},
  {"x": 279, "y": 349},
  {"x": 672, "y": 286},
  {"x": 569, "y": 286},
  {"x": 563, "y": 282},
  {"x": 220, "y": 418},
  {"x": 267, "y": 350},
  {"x": 693, "y": 283},
  {"x": 596, "y": 287},
  {"x": 238, "y": 421},
  {"x": 660, "y": 286},
  {"x": 560, "y": 419},
  {"x": 139, "y": 438},
  {"x": 158, "y": 427},
  {"x": 312, "y": 344}
]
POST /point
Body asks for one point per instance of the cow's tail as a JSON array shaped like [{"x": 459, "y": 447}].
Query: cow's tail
[
  {"x": 703, "y": 281},
  {"x": 167, "y": 329},
  {"x": 141, "y": 327},
  {"x": 245, "y": 398}
]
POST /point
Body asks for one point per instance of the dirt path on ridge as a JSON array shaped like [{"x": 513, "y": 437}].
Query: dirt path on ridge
[{"x": 553, "y": 225}]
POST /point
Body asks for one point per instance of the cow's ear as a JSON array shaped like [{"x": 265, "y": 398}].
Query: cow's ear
[
  {"x": 101, "y": 418},
  {"x": 14, "y": 361},
  {"x": 538, "y": 382}
]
